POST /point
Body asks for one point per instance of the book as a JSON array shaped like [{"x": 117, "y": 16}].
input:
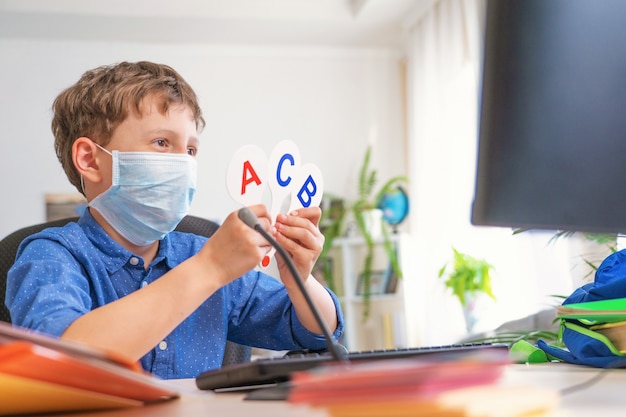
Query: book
[
  {"x": 615, "y": 332},
  {"x": 410, "y": 387},
  {"x": 594, "y": 312},
  {"x": 391, "y": 380},
  {"x": 387, "y": 327},
  {"x": 483, "y": 401},
  {"x": 41, "y": 374},
  {"x": 27, "y": 396},
  {"x": 391, "y": 279}
]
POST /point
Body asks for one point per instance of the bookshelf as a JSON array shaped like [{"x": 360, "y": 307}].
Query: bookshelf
[{"x": 392, "y": 318}]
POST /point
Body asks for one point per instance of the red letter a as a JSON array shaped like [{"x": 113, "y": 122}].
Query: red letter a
[{"x": 249, "y": 175}]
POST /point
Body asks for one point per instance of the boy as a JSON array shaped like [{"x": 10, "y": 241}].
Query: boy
[{"x": 126, "y": 136}]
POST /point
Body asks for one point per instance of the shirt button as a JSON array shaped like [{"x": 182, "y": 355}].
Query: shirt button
[
  {"x": 163, "y": 345},
  {"x": 144, "y": 284},
  {"x": 134, "y": 261}
]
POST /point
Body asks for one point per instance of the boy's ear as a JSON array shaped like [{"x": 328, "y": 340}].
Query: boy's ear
[{"x": 85, "y": 159}]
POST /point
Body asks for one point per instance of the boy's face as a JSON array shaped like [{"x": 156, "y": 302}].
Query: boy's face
[{"x": 152, "y": 131}]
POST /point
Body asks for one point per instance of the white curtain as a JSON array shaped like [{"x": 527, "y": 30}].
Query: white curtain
[{"x": 443, "y": 76}]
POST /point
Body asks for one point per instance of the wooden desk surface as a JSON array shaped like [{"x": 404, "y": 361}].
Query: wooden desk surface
[
  {"x": 584, "y": 391},
  {"x": 194, "y": 402},
  {"x": 603, "y": 395}
]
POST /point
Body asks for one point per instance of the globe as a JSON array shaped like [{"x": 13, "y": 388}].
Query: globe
[{"x": 395, "y": 206}]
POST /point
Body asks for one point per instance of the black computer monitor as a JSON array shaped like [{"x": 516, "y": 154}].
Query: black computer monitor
[{"x": 552, "y": 142}]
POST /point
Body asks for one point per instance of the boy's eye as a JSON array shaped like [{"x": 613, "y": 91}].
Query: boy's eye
[
  {"x": 160, "y": 142},
  {"x": 192, "y": 151}
]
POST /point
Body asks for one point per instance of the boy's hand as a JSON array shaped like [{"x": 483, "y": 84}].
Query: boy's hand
[
  {"x": 298, "y": 233},
  {"x": 235, "y": 248}
]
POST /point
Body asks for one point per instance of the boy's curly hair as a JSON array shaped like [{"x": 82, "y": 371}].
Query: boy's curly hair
[{"x": 102, "y": 99}]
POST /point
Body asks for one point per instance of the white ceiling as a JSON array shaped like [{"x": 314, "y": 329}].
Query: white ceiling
[{"x": 353, "y": 23}]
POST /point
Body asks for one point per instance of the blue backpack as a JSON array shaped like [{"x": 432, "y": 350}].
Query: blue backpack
[{"x": 586, "y": 346}]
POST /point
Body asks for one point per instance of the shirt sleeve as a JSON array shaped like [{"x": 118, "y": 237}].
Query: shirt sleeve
[
  {"x": 46, "y": 288},
  {"x": 262, "y": 315}
]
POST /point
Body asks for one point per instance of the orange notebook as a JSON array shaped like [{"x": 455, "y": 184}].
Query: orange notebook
[
  {"x": 27, "y": 396},
  {"x": 42, "y": 374}
]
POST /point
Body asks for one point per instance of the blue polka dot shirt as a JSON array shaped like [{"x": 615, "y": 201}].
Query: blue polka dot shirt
[{"x": 63, "y": 273}]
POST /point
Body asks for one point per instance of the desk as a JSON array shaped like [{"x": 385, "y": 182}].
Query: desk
[{"x": 604, "y": 398}]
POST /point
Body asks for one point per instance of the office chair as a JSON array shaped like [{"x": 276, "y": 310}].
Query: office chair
[{"x": 234, "y": 353}]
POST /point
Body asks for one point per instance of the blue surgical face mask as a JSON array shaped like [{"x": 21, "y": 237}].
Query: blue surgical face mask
[{"x": 150, "y": 194}]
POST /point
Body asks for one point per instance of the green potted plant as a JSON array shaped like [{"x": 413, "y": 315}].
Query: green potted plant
[
  {"x": 367, "y": 201},
  {"x": 467, "y": 277}
]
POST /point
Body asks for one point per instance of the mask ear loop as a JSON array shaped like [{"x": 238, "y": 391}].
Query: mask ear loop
[{"x": 104, "y": 149}]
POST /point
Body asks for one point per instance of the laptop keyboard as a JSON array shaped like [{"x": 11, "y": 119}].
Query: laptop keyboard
[{"x": 273, "y": 370}]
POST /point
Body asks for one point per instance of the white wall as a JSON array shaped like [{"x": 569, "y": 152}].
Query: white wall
[{"x": 331, "y": 102}]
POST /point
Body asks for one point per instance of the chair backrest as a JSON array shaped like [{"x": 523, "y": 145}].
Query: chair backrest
[{"x": 234, "y": 353}]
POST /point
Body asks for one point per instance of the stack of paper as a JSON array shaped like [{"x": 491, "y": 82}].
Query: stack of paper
[
  {"x": 417, "y": 387},
  {"x": 41, "y": 374}
]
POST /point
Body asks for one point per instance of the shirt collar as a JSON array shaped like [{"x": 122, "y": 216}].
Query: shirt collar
[{"x": 118, "y": 256}]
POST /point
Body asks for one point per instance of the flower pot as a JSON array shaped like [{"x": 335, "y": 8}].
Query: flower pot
[
  {"x": 474, "y": 309},
  {"x": 373, "y": 219}
]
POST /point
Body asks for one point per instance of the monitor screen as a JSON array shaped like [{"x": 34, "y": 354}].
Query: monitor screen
[{"x": 552, "y": 141}]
